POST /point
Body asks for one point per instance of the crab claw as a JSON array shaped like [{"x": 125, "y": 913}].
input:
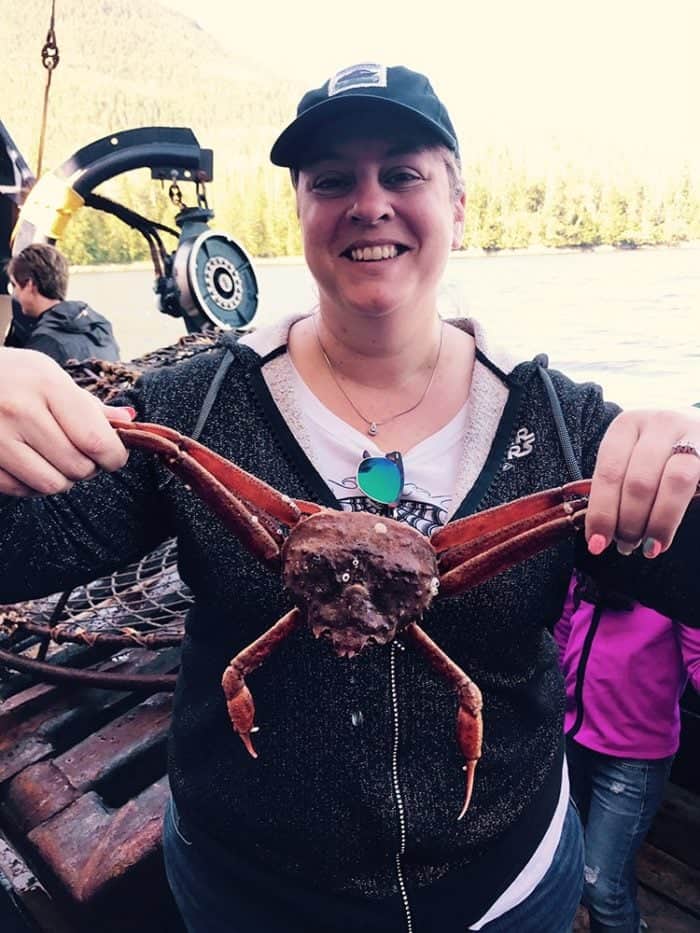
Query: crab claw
[
  {"x": 240, "y": 706},
  {"x": 470, "y": 769},
  {"x": 469, "y": 734}
]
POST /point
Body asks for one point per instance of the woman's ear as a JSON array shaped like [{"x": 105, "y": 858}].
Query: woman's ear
[{"x": 458, "y": 224}]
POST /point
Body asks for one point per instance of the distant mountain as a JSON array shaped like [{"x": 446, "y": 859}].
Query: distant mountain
[{"x": 126, "y": 63}]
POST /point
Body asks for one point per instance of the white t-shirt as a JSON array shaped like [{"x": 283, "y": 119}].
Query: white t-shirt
[
  {"x": 430, "y": 467},
  {"x": 431, "y": 474}
]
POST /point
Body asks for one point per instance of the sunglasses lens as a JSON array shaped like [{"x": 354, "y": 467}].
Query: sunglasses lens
[{"x": 380, "y": 479}]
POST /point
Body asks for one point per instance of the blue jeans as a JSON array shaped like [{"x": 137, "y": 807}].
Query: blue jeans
[
  {"x": 551, "y": 907},
  {"x": 617, "y": 798},
  {"x": 212, "y": 900}
]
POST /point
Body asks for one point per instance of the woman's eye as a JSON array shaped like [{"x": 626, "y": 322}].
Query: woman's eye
[
  {"x": 401, "y": 177},
  {"x": 330, "y": 184}
]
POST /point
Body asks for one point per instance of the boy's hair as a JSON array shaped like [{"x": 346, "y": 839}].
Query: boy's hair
[{"x": 45, "y": 266}]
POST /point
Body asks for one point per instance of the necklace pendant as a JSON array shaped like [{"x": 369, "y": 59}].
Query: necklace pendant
[{"x": 372, "y": 430}]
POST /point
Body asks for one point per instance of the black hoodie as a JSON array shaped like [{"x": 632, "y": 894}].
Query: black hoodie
[{"x": 70, "y": 330}]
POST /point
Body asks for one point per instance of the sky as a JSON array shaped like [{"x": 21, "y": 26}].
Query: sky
[{"x": 611, "y": 75}]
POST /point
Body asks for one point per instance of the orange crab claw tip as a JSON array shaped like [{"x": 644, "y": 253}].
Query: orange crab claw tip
[
  {"x": 470, "y": 768},
  {"x": 245, "y": 738}
]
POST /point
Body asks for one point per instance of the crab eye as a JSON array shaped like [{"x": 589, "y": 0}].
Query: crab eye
[
  {"x": 434, "y": 586},
  {"x": 355, "y": 562},
  {"x": 345, "y": 577}
]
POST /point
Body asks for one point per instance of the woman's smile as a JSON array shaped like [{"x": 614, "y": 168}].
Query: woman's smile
[{"x": 374, "y": 252}]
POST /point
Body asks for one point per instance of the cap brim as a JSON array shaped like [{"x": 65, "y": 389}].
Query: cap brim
[{"x": 292, "y": 144}]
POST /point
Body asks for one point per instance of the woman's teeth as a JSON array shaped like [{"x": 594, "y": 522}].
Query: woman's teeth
[{"x": 373, "y": 253}]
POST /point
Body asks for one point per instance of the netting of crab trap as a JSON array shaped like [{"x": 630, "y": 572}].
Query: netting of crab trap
[
  {"x": 107, "y": 380},
  {"x": 144, "y": 604}
]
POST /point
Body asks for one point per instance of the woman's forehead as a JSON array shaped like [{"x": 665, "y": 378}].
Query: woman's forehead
[{"x": 351, "y": 134}]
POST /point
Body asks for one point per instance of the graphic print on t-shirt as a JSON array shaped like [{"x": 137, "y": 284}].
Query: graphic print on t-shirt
[{"x": 425, "y": 514}]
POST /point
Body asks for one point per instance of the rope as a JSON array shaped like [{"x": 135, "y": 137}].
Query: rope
[{"x": 49, "y": 59}]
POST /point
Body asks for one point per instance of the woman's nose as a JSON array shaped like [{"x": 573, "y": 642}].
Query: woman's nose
[{"x": 372, "y": 203}]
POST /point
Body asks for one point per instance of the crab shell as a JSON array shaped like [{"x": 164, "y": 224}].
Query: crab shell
[{"x": 359, "y": 578}]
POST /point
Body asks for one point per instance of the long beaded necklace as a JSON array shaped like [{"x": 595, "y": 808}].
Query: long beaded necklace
[{"x": 372, "y": 425}]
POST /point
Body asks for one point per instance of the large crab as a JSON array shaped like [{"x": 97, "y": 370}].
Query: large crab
[{"x": 359, "y": 579}]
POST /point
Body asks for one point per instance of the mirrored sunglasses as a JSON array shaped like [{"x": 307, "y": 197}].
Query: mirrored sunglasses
[{"x": 381, "y": 479}]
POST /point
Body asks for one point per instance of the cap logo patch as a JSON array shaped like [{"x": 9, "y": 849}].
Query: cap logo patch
[{"x": 368, "y": 74}]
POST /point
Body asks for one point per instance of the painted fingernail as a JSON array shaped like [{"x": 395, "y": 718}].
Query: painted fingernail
[
  {"x": 123, "y": 410},
  {"x": 625, "y": 548},
  {"x": 597, "y": 544},
  {"x": 651, "y": 548}
]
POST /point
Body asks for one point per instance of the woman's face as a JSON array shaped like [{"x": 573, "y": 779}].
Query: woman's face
[{"x": 378, "y": 220}]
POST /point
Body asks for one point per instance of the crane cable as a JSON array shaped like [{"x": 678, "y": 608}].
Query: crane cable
[{"x": 49, "y": 59}]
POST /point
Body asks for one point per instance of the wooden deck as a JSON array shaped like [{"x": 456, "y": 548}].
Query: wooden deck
[{"x": 82, "y": 791}]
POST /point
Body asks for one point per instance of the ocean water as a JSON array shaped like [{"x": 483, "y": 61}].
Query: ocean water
[{"x": 626, "y": 319}]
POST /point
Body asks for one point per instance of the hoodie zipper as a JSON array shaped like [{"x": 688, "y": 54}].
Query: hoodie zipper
[
  {"x": 581, "y": 670},
  {"x": 397, "y": 789}
]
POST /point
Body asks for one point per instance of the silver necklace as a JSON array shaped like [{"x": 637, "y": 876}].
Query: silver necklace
[{"x": 372, "y": 425}]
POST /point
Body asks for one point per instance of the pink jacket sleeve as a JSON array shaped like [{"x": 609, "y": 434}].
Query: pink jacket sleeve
[{"x": 689, "y": 640}]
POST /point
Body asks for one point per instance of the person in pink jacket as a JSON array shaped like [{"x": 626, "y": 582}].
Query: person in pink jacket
[{"x": 625, "y": 668}]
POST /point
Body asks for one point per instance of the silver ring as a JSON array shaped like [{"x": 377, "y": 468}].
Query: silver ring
[{"x": 685, "y": 447}]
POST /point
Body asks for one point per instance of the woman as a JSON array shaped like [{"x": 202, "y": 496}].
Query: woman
[
  {"x": 625, "y": 668},
  {"x": 347, "y": 821}
]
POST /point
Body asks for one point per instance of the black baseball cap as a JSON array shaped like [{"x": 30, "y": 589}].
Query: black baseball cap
[{"x": 359, "y": 88}]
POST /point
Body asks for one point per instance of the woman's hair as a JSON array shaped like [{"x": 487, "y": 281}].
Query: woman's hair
[
  {"x": 45, "y": 266},
  {"x": 453, "y": 164}
]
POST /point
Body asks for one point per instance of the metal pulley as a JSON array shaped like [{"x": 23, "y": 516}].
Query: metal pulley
[
  {"x": 211, "y": 275},
  {"x": 209, "y": 278}
]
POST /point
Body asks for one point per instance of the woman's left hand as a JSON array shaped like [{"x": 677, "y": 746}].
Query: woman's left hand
[{"x": 641, "y": 486}]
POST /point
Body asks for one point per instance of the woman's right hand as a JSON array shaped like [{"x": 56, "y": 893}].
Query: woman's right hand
[{"x": 52, "y": 433}]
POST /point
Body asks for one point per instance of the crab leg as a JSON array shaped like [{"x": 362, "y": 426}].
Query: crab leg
[
  {"x": 461, "y": 553},
  {"x": 243, "y": 484},
  {"x": 469, "y": 723},
  {"x": 494, "y": 560},
  {"x": 217, "y": 481},
  {"x": 239, "y": 700},
  {"x": 501, "y": 516},
  {"x": 476, "y": 548}
]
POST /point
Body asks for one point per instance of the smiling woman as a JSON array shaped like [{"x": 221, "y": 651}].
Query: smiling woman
[
  {"x": 380, "y": 202},
  {"x": 369, "y": 403}
]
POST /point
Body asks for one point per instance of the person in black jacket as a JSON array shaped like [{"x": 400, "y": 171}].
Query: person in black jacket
[
  {"x": 41, "y": 317},
  {"x": 348, "y": 820}
]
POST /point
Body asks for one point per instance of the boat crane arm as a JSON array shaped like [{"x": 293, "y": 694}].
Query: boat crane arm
[
  {"x": 172, "y": 154},
  {"x": 208, "y": 278}
]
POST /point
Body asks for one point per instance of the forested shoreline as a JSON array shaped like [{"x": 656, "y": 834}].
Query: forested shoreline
[
  {"x": 126, "y": 64},
  {"x": 517, "y": 213}
]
